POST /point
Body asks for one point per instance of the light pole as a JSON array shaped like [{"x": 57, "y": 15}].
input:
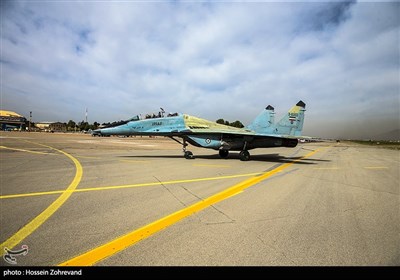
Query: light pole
[{"x": 30, "y": 120}]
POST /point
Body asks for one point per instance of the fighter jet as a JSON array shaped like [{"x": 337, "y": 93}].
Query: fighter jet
[{"x": 263, "y": 132}]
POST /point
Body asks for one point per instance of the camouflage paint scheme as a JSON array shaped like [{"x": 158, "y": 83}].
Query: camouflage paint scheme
[{"x": 261, "y": 133}]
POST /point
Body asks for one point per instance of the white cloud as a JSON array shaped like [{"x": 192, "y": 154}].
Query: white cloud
[{"x": 214, "y": 60}]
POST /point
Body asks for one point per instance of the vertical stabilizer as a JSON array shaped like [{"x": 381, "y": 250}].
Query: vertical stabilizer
[
  {"x": 292, "y": 122},
  {"x": 264, "y": 122}
]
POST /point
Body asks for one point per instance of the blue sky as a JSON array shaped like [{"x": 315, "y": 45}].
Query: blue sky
[{"x": 211, "y": 59}]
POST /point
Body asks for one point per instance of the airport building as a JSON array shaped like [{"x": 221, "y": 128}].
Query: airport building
[
  {"x": 12, "y": 121},
  {"x": 43, "y": 125},
  {"x": 51, "y": 126},
  {"x": 58, "y": 126}
]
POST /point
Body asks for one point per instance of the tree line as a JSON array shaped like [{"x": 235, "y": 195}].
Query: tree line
[{"x": 234, "y": 124}]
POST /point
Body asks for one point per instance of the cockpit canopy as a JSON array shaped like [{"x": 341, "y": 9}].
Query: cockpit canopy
[{"x": 135, "y": 118}]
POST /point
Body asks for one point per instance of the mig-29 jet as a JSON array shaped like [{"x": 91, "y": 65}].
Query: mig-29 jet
[{"x": 263, "y": 132}]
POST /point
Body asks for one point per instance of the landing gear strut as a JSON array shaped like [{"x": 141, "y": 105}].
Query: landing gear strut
[
  {"x": 186, "y": 154},
  {"x": 244, "y": 155}
]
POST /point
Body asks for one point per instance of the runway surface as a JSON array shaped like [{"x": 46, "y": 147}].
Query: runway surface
[{"x": 73, "y": 199}]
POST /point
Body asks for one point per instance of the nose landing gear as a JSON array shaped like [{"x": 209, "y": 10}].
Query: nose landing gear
[{"x": 186, "y": 154}]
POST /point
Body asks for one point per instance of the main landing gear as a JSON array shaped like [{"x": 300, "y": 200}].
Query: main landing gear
[
  {"x": 243, "y": 155},
  {"x": 223, "y": 153}
]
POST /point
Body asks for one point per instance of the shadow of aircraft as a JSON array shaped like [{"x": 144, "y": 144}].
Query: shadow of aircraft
[{"x": 276, "y": 158}]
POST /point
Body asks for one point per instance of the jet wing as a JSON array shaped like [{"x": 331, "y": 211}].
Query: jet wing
[{"x": 196, "y": 125}]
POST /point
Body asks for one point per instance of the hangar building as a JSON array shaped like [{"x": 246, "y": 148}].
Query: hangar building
[{"x": 12, "y": 121}]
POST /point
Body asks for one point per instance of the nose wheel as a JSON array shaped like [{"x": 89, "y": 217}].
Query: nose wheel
[{"x": 188, "y": 155}]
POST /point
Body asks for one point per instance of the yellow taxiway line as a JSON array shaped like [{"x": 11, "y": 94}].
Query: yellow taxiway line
[
  {"x": 132, "y": 185},
  {"x": 97, "y": 254},
  {"x": 42, "y": 217}
]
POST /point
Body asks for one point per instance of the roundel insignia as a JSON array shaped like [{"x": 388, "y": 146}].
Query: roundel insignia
[{"x": 208, "y": 140}]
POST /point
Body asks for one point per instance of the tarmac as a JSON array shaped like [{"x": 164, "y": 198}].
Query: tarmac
[{"x": 77, "y": 200}]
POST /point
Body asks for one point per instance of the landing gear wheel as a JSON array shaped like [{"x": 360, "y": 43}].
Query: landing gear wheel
[
  {"x": 188, "y": 155},
  {"x": 223, "y": 153},
  {"x": 244, "y": 155}
]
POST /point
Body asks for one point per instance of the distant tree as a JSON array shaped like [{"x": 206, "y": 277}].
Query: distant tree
[
  {"x": 237, "y": 124},
  {"x": 83, "y": 126},
  {"x": 114, "y": 123},
  {"x": 234, "y": 124},
  {"x": 71, "y": 125}
]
